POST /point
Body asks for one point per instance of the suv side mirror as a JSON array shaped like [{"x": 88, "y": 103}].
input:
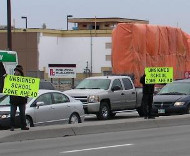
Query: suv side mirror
[{"x": 115, "y": 88}]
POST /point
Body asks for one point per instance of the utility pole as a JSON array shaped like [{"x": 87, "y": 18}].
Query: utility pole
[
  {"x": 67, "y": 20},
  {"x": 9, "y": 35}
]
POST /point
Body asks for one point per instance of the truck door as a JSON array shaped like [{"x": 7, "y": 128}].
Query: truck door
[
  {"x": 117, "y": 97},
  {"x": 130, "y": 94}
]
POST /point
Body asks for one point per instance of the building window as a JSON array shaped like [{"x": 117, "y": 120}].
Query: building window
[
  {"x": 97, "y": 27},
  {"x": 105, "y": 73},
  {"x": 84, "y": 25},
  {"x": 108, "y": 45},
  {"x": 108, "y": 57},
  {"x": 107, "y": 25},
  {"x": 93, "y": 27}
]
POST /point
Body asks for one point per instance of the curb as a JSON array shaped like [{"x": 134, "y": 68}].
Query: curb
[{"x": 92, "y": 128}]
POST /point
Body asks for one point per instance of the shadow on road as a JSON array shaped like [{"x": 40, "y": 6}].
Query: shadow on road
[{"x": 119, "y": 116}]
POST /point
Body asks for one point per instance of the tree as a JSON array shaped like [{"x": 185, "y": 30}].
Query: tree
[{"x": 44, "y": 26}]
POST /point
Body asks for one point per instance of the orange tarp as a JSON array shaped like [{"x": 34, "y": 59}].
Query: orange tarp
[{"x": 136, "y": 46}]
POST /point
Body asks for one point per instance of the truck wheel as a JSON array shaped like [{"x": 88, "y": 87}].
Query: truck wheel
[
  {"x": 104, "y": 112},
  {"x": 140, "y": 111}
]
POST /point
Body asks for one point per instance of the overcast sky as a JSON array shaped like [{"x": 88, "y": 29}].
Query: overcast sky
[{"x": 53, "y": 12}]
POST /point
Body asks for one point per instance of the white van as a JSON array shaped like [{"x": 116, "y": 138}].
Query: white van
[{"x": 9, "y": 59}]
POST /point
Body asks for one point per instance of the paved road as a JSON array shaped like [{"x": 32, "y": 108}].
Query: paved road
[{"x": 167, "y": 141}]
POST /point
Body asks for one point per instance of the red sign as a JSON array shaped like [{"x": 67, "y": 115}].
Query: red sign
[{"x": 187, "y": 74}]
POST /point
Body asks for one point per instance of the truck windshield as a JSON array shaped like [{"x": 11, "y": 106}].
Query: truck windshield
[
  {"x": 94, "y": 84},
  {"x": 176, "y": 88}
]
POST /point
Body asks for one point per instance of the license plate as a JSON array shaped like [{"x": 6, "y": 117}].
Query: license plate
[{"x": 161, "y": 111}]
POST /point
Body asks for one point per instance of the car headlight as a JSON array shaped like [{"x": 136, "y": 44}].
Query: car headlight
[
  {"x": 93, "y": 99},
  {"x": 4, "y": 116},
  {"x": 179, "y": 103}
]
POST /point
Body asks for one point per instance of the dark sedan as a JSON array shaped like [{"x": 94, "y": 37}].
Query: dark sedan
[{"x": 174, "y": 98}]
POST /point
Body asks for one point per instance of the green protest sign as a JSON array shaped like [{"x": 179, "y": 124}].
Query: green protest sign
[
  {"x": 21, "y": 86},
  {"x": 158, "y": 75}
]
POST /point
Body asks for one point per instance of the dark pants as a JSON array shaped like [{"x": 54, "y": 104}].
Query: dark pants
[
  {"x": 21, "y": 114},
  {"x": 147, "y": 101}
]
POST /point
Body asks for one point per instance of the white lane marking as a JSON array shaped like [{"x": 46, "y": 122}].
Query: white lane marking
[{"x": 97, "y": 148}]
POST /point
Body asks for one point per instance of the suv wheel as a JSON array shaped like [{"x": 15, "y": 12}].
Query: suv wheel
[{"x": 104, "y": 112}]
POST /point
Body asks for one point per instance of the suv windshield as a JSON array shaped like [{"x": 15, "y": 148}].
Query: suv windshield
[
  {"x": 94, "y": 84},
  {"x": 176, "y": 88}
]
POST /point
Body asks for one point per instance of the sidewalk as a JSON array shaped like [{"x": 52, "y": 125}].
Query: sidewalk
[{"x": 92, "y": 128}]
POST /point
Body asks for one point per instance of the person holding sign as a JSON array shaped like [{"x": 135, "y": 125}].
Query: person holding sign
[
  {"x": 147, "y": 99},
  {"x": 2, "y": 74},
  {"x": 18, "y": 101}
]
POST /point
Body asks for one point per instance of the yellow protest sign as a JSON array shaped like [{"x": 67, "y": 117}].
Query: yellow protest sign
[
  {"x": 158, "y": 75},
  {"x": 21, "y": 86}
]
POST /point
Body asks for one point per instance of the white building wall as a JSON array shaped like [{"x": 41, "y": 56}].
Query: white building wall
[{"x": 74, "y": 50}]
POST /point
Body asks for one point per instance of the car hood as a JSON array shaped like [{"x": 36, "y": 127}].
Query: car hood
[
  {"x": 84, "y": 92},
  {"x": 169, "y": 98}
]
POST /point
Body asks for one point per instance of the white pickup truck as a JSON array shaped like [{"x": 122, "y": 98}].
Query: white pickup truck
[{"x": 105, "y": 95}]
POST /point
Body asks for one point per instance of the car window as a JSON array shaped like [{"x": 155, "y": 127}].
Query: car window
[
  {"x": 46, "y": 98},
  {"x": 117, "y": 82},
  {"x": 176, "y": 87},
  {"x": 46, "y": 85},
  {"x": 127, "y": 84},
  {"x": 60, "y": 98},
  {"x": 5, "y": 100}
]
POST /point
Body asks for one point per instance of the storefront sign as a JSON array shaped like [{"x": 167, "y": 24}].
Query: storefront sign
[{"x": 62, "y": 70}]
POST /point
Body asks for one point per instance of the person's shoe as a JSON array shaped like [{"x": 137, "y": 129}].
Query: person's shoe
[
  {"x": 151, "y": 117},
  {"x": 12, "y": 129},
  {"x": 25, "y": 128}
]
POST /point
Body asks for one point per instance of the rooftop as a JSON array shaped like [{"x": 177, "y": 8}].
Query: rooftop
[{"x": 103, "y": 20}]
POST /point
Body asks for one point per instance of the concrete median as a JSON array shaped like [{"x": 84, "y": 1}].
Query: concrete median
[{"x": 92, "y": 128}]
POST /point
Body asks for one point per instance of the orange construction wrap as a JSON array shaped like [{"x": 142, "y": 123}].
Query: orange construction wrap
[{"x": 136, "y": 46}]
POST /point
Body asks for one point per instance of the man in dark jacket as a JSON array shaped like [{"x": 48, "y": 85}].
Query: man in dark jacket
[
  {"x": 18, "y": 101},
  {"x": 2, "y": 73},
  {"x": 147, "y": 100}
]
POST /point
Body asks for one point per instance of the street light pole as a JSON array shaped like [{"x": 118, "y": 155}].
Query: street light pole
[
  {"x": 26, "y": 20},
  {"x": 9, "y": 35},
  {"x": 67, "y": 19}
]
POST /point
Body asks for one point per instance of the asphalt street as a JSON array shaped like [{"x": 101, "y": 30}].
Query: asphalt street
[{"x": 167, "y": 141}]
